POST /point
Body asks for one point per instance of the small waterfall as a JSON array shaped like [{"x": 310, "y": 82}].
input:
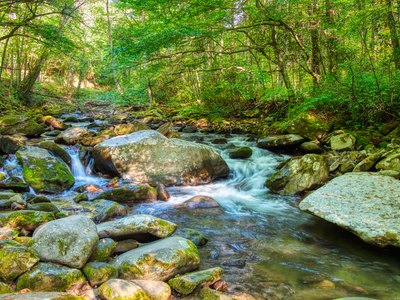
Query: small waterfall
[
  {"x": 12, "y": 167},
  {"x": 90, "y": 166}
]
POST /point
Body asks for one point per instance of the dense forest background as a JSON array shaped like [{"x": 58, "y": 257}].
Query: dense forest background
[{"x": 278, "y": 58}]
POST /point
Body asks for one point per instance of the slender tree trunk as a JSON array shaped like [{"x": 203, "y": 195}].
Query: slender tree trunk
[
  {"x": 3, "y": 59},
  {"x": 393, "y": 35},
  {"x": 315, "y": 54},
  {"x": 78, "y": 88},
  {"x": 149, "y": 90}
]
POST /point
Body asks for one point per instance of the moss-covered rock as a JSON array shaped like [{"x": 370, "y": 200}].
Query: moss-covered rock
[
  {"x": 136, "y": 193},
  {"x": 309, "y": 147},
  {"x": 24, "y": 240},
  {"x": 209, "y": 294},
  {"x": 16, "y": 259},
  {"x": 25, "y": 219},
  {"x": 20, "y": 124},
  {"x": 277, "y": 141},
  {"x": 343, "y": 142},
  {"x": 10, "y": 143},
  {"x": 56, "y": 150},
  {"x": 8, "y": 233},
  {"x": 95, "y": 140},
  {"x": 44, "y": 172},
  {"x": 138, "y": 227},
  {"x": 103, "y": 210},
  {"x": 367, "y": 164},
  {"x": 391, "y": 173},
  {"x": 40, "y": 199},
  {"x": 81, "y": 197},
  {"x": 54, "y": 123},
  {"x": 14, "y": 185},
  {"x": 391, "y": 162},
  {"x": 99, "y": 272},
  {"x": 158, "y": 290},
  {"x": 308, "y": 126},
  {"x": 347, "y": 167},
  {"x": 242, "y": 152},
  {"x": 196, "y": 237},
  {"x": 299, "y": 174},
  {"x": 2, "y": 176},
  {"x": 187, "y": 283},
  {"x": 49, "y": 207},
  {"x": 5, "y": 288},
  {"x": 118, "y": 289},
  {"x": 104, "y": 250},
  {"x": 73, "y": 136},
  {"x": 135, "y": 126},
  {"x": 49, "y": 277},
  {"x": 41, "y": 296}
]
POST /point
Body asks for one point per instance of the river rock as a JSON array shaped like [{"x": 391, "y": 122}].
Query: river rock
[
  {"x": 40, "y": 199},
  {"x": 56, "y": 150},
  {"x": 157, "y": 289},
  {"x": 205, "y": 294},
  {"x": 105, "y": 248},
  {"x": 95, "y": 140},
  {"x": 196, "y": 237},
  {"x": 14, "y": 184},
  {"x": 280, "y": 141},
  {"x": 49, "y": 277},
  {"x": 99, "y": 272},
  {"x": 10, "y": 143},
  {"x": 165, "y": 128},
  {"x": 81, "y": 197},
  {"x": 73, "y": 135},
  {"x": 363, "y": 203},
  {"x": 240, "y": 153},
  {"x": 19, "y": 124},
  {"x": 149, "y": 156},
  {"x": 219, "y": 141},
  {"x": 187, "y": 283},
  {"x": 343, "y": 142},
  {"x": 309, "y": 147},
  {"x": 138, "y": 227},
  {"x": 126, "y": 245},
  {"x": 8, "y": 233},
  {"x": 16, "y": 259},
  {"x": 103, "y": 210},
  {"x": 69, "y": 241},
  {"x": 135, "y": 126},
  {"x": 49, "y": 207},
  {"x": 391, "y": 173},
  {"x": 136, "y": 193},
  {"x": 71, "y": 119},
  {"x": 347, "y": 167},
  {"x": 174, "y": 134},
  {"x": 160, "y": 260},
  {"x": 118, "y": 289},
  {"x": 44, "y": 172},
  {"x": 200, "y": 202},
  {"x": 190, "y": 129},
  {"x": 307, "y": 126},
  {"x": 299, "y": 174},
  {"x": 41, "y": 296},
  {"x": 367, "y": 163},
  {"x": 162, "y": 193},
  {"x": 5, "y": 288},
  {"x": 7, "y": 195},
  {"x": 25, "y": 219},
  {"x": 391, "y": 162},
  {"x": 54, "y": 123}
]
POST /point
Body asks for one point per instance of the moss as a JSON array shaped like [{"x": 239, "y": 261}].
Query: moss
[
  {"x": 26, "y": 219},
  {"x": 104, "y": 250},
  {"x": 62, "y": 248},
  {"x": 61, "y": 215}
]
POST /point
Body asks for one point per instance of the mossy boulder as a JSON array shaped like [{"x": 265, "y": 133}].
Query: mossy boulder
[
  {"x": 49, "y": 207},
  {"x": 5, "y": 288},
  {"x": 56, "y": 150},
  {"x": 200, "y": 202},
  {"x": 391, "y": 173},
  {"x": 49, "y": 277},
  {"x": 73, "y": 136},
  {"x": 309, "y": 147},
  {"x": 16, "y": 259},
  {"x": 158, "y": 290},
  {"x": 160, "y": 260},
  {"x": 69, "y": 241},
  {"x": 391, "y": 162},
  {"x": 105, "y": 248},
  {"x": 347, "y": 167},
  {"x": 40, "y": 199},
  {"x": 308, "y": 126},
  {"x": 20, "y": 124},
  {"x": 24, "y": 240},
  {"x": 10, "y": 143},
  {"x": 25, "y": 219},
  {"x": 95, "y": 140},
  {"x": 135, "y": 126},
  {"x": 343, "y": 142},
  {"x": 136, "y": 193},
  {"x": 118, "y": 289},
  {"x": 138, "y": 227},
  {"x": 41, "y": 296},
  {"x": 71, "y": 119},
  {"x": 299, "y": 174},
  {"x": 44, "y": 172},
  {"x": 240, "y": 153},
  {"x": 8, "y": 233},
  {"x": 187, "y": 283},
  {"x": 277, "y": 141},
  {"x": 15, "y": 184},
  {"x": 368, "y": 163},
  {"x": 81, "y": 197},
  {"x": 99, "y": 272},
  {"x": 103, "y": 210},
  {"x": 196, "y": 237},
  {"x": 2, "y": 176},
  {"x": 150, "y": 157},
  {"x": 209, "y": 294},
  {"x": 54, "y": 123}
]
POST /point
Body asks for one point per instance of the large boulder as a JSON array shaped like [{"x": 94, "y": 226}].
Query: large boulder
[
  {"x": 69, "y": 241},
  {"x": 363, "y": 203},
  {"x": 20, "y": 124},
  {"x": 10, "y": 143},
  {"x": 44, "y": 172},
  {"x": 25, "y": 219},
  {"x": 160, "y": 260},
  {"x": 118, "y": 289},
  {"x": 307, "y": 126},
  {"x": 16, "y": 259},
  {"x": 280, "y": 141},
  {"x": 343, "y": 142},
  {"x": 391, "y": 162},
  {"x": 138, "y": 227},
  {"x": 73, "y": 135},
  {"x": 299, "y": 174},
  {"x": 149, "y": 156},
  {"x": 136, "y": 193},
  {"x": 56, "y": 150},
  {"x": 135, "y": 126}
]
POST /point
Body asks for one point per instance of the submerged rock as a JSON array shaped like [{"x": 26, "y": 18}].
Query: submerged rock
[
  {"x": 299, "y": 174},
  {"x": 160, "y": 260},
  {"x": 73, "y": 136},
  {"x": 200, "y": 202},
  {"x": 44, "y": 172},
  {"x": 69, "y": 241},
  {"x": 280, "y": 141},
  {"x": 363, "y": 203},
  {"x": 149, "y": 156},
  {"x": 138, "y": 227},
  {"x": 242, "y": 152},
  {"x": 136, "y": 193},
  {"x": 21, "y": 124}
]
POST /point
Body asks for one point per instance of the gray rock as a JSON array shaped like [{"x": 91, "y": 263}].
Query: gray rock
[
  {"x": 149, "y": 156},
  {"x": 40, "y": 296},
  {"x": 99, "y": 272},
  {"x": 240, "y": 153},
  {"x": 157, "y": 289},
  {"x": 200, "y": 202},
  {"x": 103, "y": 251},
  {"x": 69, "y": 241},
  {"x": 10, "y": 143},
  {"x": 363, "y": 203},
  {"x": 138, "y": 227},
  {"x": 126, "y": 245},
  {"x": 280, "y": 141},
  {"x": 343, "y": 142},
  {"x": 25, "y": 219},
  {"x": 136, "y": 193},
  {"x": 118, "y": 289},
  {"x": 73, "y": 135},
  {"x": 309, "y": 147},
  {"x": 160, "y": 260}
]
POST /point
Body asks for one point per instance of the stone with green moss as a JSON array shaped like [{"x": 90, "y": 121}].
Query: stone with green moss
[
  {"x": 391, "y": 162},
  {"x": 81, "y": 197},
  {"x": 174, "y": 134},
  {"x": 343, "y": 142},
  {"x": 61, "y": 215},
  {"x": 13, "y": 185},
  {"x": 138, "y": 227},
  {"x": 309, "y": 147},
  {"x": 277, "y": 141},
  {"x": 49, "y": 207},
  {"x": 71, "y": 119},
  {"x": 240, "y": 153},
  {"x": 391, "y": 173},
  {"x": 5, "y": 195},
  {"x": 41, "y": 296},
  {"x": 24, "y": 240},
  {"x": 5, "y": 288},
  {"x": 187, "y": 283},
  {"x": 10, "y": 143},
  {"x": 19, "y": 124},
  {"x": 208, "y": 294},
  {"x": 93, "y": 141},
  {"x": 44, "y": 172},
  {"x": 196, "y": 237},
  {"x": 367, "y": 163},
  {"x": 103, "y": 251},
  {"x": 118, "y": 289},
  {"x": 56, "y": 150},
  {"x": 25, "y": 219},
  {"x": 103, "y": 210},
  {"x": 157, "y": 289},
  {"x": 54, "y": 123},
  {"x": 308, "y": 126},
  {"x": 8, "y": 233},
  {"x": 135, "y": 126},
  {"x": 355, "y": 298},
  {"x": 16, "y": 259},
  {"x": 69, "y": 241},
  {"x": 99, "y": 272},
  {"x": 2, "y": 176},
  {"x": 40, "y": 199},
  {"x": 49, "y": 277},
  {"x": 160, "y": 260},
  {"x": 347, "y": 167},
  {"x": 73, "y": 136},
  {"x": 299, "y": 174},
  {"x": 136, "y": 193}
]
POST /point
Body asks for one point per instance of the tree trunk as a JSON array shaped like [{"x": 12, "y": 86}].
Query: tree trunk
[{"x": 393, "y": 35}]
